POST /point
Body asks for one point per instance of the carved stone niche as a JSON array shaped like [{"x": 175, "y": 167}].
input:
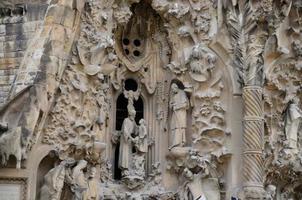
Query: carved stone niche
[{"x": 142, "y": 51}]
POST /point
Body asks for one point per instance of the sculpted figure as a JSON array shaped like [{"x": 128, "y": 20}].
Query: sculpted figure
[
  {"x": 292, "y": 122},
  {"x": 79, "y": 182},
  {"x": 92, "y": 192},
  {"x": 128, "y": 128},
  {"x": 179, "y": 104},
  {"x": 54, "y": 182},
  {"x": 194, "y": 185},
  {"x": 142, "y": 145},
  {"x": 201, "y": 63},
  {"x": 270, "y": 192}
]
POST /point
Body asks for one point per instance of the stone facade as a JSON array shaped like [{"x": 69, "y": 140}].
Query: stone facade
[{"x": 150, "y": 99}]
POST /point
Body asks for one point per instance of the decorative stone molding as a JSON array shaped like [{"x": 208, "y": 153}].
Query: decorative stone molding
[{"x": 22, "y": 182}]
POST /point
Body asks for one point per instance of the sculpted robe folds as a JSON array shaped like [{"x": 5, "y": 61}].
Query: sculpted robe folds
[
  {"x": 293, "y": 118},
  {"x": 54, "y": 182},
  {"x": 179, "y": 105},
  {"x": 143, "y": 143},
  {"x": 128, "y": 128}
]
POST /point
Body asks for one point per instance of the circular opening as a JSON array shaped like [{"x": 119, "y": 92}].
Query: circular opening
[
  {"x": 127, "y": 51},
  {"x": 131, "y": 84},
  {"x": 137, "y": 42},
  {"x": 126, "y": 41},
  {"x": 136, "y": 53}
]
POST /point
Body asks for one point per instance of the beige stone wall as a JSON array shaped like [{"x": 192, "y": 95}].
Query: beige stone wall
[
  {"x": 15, "y": 36},
  {"x": 236, "y": 71}
]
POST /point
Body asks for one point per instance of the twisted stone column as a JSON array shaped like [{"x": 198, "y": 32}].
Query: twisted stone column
[{"x": 253, "y": 127}]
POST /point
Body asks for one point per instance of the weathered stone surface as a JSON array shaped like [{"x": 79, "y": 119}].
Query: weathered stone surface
[{"x": 151, "y": 99}]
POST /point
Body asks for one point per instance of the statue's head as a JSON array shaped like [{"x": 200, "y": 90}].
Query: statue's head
[
  {"x": 92, "y": 172},
  {"x": 142, "y": 122},
  {"x": 131, "y": 113},
  {"x": 188, "y": 174},
  {"x": 82, "y": 163},
  {"x": 296, "y": 100},
  {"x": 271, "y": 189},
  {"x": 174, "y": 88}
]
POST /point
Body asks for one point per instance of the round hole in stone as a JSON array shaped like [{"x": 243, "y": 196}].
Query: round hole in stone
[
  {"x": 136, "y": 53},
  {"x": 131, "y": 84},
  {"x": 137, "y": 42},
  {"x": 126, "y": 41},
  {"x": 127, "y": 52}
]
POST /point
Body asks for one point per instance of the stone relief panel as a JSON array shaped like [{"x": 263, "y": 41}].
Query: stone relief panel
[
  {"x": 283, "y": 122},
  {"x": 283, "y": 111},
  {"x": 176, "y": 123},
  {"x": 165, "y": 47}
]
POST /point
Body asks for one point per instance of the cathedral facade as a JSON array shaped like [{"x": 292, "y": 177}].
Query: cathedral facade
[{"x": 150, "y": 100}]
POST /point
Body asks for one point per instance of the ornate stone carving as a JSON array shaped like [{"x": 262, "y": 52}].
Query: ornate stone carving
[
  {"x": 139, "y": 98},
  {"x": 201, "y": 62},
  {"x": 79, "y": 183},
  {"x": 128, "y": 129},
  {"x": 54, "y": 181},
  {"x": 253, "y": 134},
  {"x": 178, "y": 104},
  {"x": 10, "y": 144},
  {"x": 92, "y": 192},
  {"x": 292, "y": 123},
  {"x": 270, "y": 192}
]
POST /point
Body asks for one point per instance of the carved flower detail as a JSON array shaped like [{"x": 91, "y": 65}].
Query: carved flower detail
[
  {"x": 205, "y": 111},
  {"x": 217, "y": 106}
]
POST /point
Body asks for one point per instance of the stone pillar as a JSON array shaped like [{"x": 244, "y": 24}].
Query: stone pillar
[{"x": 253, "y": 127}]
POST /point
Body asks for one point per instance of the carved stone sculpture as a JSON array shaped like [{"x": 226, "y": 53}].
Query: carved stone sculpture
[
  {"x": 79, "y": 181},
  {"x": 10, "y": 144},
  {"x": 194, "y": 186},
  {"x": 92, "y": 192},
  {"x": 270, "y": 192},
  {"x": 128, "y": 128},
  {"x": 292, "y": 123},
  {"x": 142, "y": 140},
  {"x": 213, "y": 83},
  {"x": 54, "y": 182},
  {"x": 178, "y": 104},
  {"x": 201, "y": 63}
]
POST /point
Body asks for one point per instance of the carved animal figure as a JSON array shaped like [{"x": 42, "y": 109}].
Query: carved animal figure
[{"x": 10, "y": 144}]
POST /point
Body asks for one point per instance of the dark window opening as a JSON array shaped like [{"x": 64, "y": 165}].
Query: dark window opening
[
  {"x": 137, "y": 42},
  {"x": 131, "y": 84},
  {"x": 126, "y": 41},
  {"x": 136, "y": 53},
  {"x": 122, "y": 113},
  {"x": 117, "y": 175},
  {"x": 127, "y": 52}
]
